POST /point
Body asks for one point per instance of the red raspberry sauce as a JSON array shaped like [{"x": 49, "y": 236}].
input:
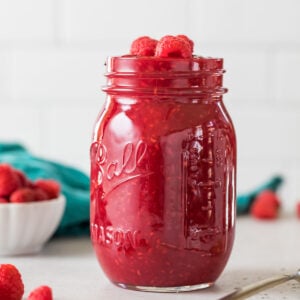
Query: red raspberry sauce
[{"x": 163, "y": 173}]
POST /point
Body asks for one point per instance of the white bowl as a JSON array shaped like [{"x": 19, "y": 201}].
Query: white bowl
[{"x": 26, "y": 227}]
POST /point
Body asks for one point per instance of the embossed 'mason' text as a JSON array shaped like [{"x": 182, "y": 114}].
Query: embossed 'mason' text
[{"x": 119, "y": 238}]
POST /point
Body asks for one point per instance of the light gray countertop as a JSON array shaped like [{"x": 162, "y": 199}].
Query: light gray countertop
[{"x": 262, "y": 249}]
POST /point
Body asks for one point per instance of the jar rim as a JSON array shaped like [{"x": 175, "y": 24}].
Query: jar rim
[
  {"x": 152, "y": 64},
  {"x": 193, "y": 58},
  {"x": 196, "y": 75}
]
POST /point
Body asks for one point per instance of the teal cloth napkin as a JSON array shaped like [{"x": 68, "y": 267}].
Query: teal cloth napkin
[{"x": 75, "y": 185}]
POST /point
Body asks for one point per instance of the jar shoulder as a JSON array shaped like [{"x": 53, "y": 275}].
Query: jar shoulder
[{"x": 159, "y": 119}]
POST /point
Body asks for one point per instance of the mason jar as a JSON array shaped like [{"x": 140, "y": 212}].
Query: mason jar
[{"x": 163, "y": 174}]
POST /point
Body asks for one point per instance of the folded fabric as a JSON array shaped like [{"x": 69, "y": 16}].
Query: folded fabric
[{"x": 75, "y": 185}]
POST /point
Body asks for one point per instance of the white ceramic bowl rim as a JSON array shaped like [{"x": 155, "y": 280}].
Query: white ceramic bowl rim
[{"x": 60, "y": 198}]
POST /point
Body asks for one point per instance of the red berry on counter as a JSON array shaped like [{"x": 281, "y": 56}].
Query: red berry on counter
[
  {"x": 298, "y": 209},
  {"x": 11, "y": 284},
  {"x": 143, "y": 46},
  {"x": 49, "y": 186},
  {"x": 172, "y": 46},
  {"x": 9, "y": 181},
  {"x": 22, "y": 195},
  {"x": 43, "y": 292},
  {"x": 3, "y": 200},
  {"x": 266, "y": 205}
]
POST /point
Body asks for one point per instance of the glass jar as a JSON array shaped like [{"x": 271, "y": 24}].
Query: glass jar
[{"x": 163, "y": 174}]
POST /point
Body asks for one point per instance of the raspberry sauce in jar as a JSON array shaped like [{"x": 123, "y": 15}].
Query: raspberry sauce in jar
[{"x": 163, "y": 174}]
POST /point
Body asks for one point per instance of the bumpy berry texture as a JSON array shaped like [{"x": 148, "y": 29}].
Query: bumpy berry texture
[
  {"x": 9, "y": 181},
  {"x": 172, "y": 46},
  {"x": 179, "y": 46},
  {"x": 15, "y": 187},
  {"x": 143, "y": 46},
  {"x": 43, "y": 292},
  {"x": 49, "y": 186},
  {"x": 22, "y": 195},
  {"x": 182, "y": 36},
  {"x": 266, "y": 205},
  {"x": 11, "y": 284}
]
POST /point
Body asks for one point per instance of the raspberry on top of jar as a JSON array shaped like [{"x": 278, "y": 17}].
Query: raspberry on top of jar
[
  {"x": 179, "y": 46},
  {"x": 163, "y": 67}
]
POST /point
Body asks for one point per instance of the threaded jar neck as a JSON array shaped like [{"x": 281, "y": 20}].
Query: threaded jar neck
[{"x": 198, "y": 76}]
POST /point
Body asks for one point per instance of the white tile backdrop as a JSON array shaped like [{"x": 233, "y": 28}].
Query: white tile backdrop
[{"x": 51, "y": 70}]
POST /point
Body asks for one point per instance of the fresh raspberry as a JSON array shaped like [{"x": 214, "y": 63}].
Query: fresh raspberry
[
  {"x": 298, "y": 209},
  {"x": 172, "y": 46},
  {"x": 182, "y": 36},
  {"x": 9, "y": 181},
  {"x": 3, "y": 200},
  {"x": 43, "y": 292},
  {"x": 266, "y": 205},
  {"x": 143, "y": 46},
  {"x": 50, "y": 186},
  {"x": 22, "y": 195},
  {"x": 30, "y": 184},
  {"x": 23, "y": 181},
  {"x": 40, "y": 195},
  {"x": 11, "y": 284}
]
